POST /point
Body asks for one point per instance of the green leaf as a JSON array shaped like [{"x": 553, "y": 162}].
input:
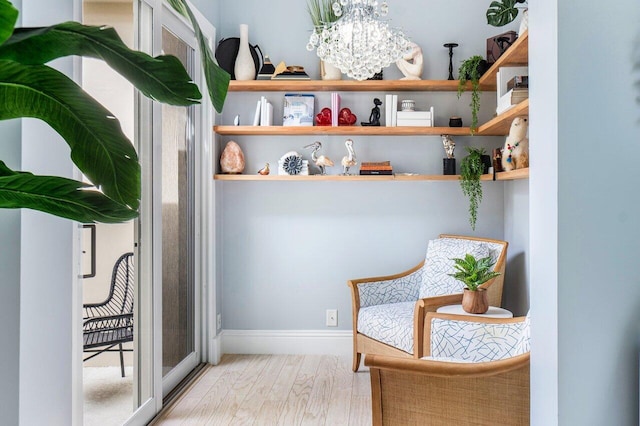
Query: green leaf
[
  {"x": 98, "y": 146},
  {"x": 502, "y": 13},
  {"x": 61, "y": 197},
  {"x": 162, "y": 78},
  {"x": 8, "y": 18},
  {"x": 217, "y": 78}
]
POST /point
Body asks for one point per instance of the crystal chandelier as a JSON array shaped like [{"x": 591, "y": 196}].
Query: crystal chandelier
[{"x": 358, "y": 43}]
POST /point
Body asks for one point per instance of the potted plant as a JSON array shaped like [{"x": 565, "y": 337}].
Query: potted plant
[
  {"x": 99, "y": 148},
  {"x": 472, "y": 167},
  {"x": 473, "y": 273},
  {"x": 322, "y": 14},
  {"x": 471, "y": 70},
  {"x": 502, "y": 12}
]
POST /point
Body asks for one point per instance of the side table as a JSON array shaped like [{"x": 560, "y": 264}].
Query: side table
[{"x": 493, "y": 312}]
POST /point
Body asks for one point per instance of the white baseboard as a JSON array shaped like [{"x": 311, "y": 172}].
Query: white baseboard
[
  {"x": 215, "y": 350},
  {"x": 290, "y": 342}
]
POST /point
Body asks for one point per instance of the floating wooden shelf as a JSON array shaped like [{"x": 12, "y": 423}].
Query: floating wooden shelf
[
  {"x": 319, "y": 178},
  {"x": 346, "y": 86},
  {"x": 513, "y": 175},
  {"x": 501, "y": 124},
  {"x": 340, "y": 130},
  {"x": 516, "y": 55}
]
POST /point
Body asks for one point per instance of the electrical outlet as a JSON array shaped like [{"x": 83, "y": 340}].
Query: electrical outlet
[
  {"x": 219, "y": 321},
  {"x": 332, "y": 317}
]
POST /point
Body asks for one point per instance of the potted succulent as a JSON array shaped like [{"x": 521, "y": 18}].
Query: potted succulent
[
  {"x": 471, "y": 70},
  {"x": 502, "y": 12},
  {"x": 473, "y": 273},
  {"x": 472, "y": 167},
  {"x": 322, "y": 14}
]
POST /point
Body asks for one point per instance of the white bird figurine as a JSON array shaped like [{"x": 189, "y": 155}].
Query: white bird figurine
[
  {"x": 348, "y": 160},
  {"x": 320, "y": 161}
]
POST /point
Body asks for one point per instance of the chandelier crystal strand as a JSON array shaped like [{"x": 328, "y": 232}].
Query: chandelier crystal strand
[{"x": 359, "y": 44}]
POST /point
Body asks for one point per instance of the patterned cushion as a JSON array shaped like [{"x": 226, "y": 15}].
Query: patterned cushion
[
  {"x": 446, "y": 359},
  {"x": 438, "y": 264},
  {"x": 476, "y": 341},
  {"x": 391, "y": 324},
  {"x": 403, "y": 289}
]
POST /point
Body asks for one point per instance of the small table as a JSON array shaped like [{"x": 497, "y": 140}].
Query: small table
[{"x": 493, "y": 312}]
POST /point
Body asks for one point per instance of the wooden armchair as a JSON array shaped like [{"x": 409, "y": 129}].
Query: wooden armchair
[
  {"x": 483, "y": 382},
  {"x": 389, "y": 312}
]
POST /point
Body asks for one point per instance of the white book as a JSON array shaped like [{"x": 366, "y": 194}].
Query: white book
[
  {"x": 388, "y": 99},
  {"x": 256, "y": 117},
  {"x": 263, "y": 111},
  {"x": 404, "y": 122},
  {"x": 394, "y": 110},
  {"x": 269, "y": 114}
]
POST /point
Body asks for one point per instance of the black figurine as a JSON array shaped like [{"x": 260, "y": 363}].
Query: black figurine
[
  {"x": 374, "y": 118},
  {"x": 450, "y": 46}
]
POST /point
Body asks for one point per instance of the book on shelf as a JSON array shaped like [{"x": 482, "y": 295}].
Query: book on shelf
[
  {"x": 408, "y": 123},
  {"x": 363, "y": 167},
  {"x": 394, "y": 110},
  {"x": 298, "y": 110},
  {"x": 291, "y": 75},
  {"x": 376, "y": 172},
  {"x": 504, "y": 75},
  {"x": 266, "y": 112},
  {"x": 512, "y": 98},
  {"x": 388, "y": 99},
  {"x": 256, "y": 117},
  {"x": 518, "y": 82},
  {"x": 375, "y": 163},
  {"x": 335, "y": 108}
]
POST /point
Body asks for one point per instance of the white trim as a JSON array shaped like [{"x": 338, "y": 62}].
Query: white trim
[
  {"x": 214, "y": 354},
  {"x": 290, "y": 342}
]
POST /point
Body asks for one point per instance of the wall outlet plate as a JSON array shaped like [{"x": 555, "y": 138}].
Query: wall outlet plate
[{"x": 332, "y": 317}]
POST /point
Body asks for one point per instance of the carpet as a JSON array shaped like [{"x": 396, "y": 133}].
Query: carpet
[{"x": 108, "y": 397}]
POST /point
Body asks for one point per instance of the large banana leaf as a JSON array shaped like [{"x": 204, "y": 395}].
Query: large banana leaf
[
  {"x": 162, "y": 78},
  {"x": 501, "y": 13},
  {"x": 59, "y": 196},
  {"x": 217, "y": 78},
  {"x": 98, "y": 146},
  {"x": 8, "y": 18}
]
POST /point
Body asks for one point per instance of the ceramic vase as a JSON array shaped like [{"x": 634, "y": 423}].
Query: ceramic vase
[
  {"x": 244, "y": 68},
  {"x": 524, "y": 22},
  {"x": 329, "y": 71},
  {"x": 475, "y": 302}
]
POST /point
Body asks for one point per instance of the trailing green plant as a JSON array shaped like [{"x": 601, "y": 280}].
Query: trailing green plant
[
  {"x": 99, "y": 148},
  {"x": 470, "y": 71},
  {"x": 473, "y": 273},
  {"x": 321, "y": 13},
  {"x": 502, "y": 12},
  {"x": 471, "y": 168}
]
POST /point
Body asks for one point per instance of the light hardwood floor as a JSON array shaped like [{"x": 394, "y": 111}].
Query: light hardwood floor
[{"x": 275, "y": 390}]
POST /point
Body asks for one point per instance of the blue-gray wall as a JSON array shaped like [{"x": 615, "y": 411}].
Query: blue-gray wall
[
  {"x": 584, "y": 232},
  {"x": 286, "y": 250}
]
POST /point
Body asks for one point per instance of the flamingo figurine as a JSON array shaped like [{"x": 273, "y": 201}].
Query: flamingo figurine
[
  {"x": 320, "y": 161},
  {"x": 348, "y": 160}
]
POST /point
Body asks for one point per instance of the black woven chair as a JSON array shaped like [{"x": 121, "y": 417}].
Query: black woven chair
[{"x": 110, "y": 323}]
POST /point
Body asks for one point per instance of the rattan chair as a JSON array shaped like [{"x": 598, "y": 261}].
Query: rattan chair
[
  {"x": 110, "y": 323},
  {"x": 477, "y": 374},
  {"x": 388, "y": 312}
]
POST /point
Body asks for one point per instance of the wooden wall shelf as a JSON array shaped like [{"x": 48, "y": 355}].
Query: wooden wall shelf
[
  {"x": 501, "y": 124},
  {"x": 346, "y": 86},
  {"x": 516, "y": 55},
  {"x": 516, "y": 174},
  {"x": 340, "y": 130}
]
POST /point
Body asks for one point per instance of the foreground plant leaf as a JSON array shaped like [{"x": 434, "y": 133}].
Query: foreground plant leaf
[
  {"x": 217, "y": 78},
  {"x": 162, "y": 78},
  {"x": 98, "y": 146},
  {"x": 59, "y": 196},
  {"x": 8, "y": 18}
]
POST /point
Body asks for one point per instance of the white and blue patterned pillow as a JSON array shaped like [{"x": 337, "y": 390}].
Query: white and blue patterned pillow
[
  {"x": 391, "y": 324},
  {"x": 477, "y": 341},
  {"x": 439, "y": 264}
]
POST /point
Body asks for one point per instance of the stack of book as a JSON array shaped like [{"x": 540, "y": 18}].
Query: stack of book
[
  {"x": 415, "y": 118},
  {"x": 511, "y": 98},
  {"x": 376, "y": 168},
  {"x": 512, "y": 87},
  {"x": 264, "y": 113}
]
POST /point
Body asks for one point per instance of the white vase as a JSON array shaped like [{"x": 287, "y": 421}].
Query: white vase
[
  {"x": 329, "y": 71},
  {"x": 245, "y": 68}
]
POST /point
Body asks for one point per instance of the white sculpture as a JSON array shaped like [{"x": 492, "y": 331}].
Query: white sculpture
[
  {"x": 321, "y": 161},
  {"x": 515, "y": 154},
  {"x": 411, "y": 63},
  {"x": 348, "y": 160}
]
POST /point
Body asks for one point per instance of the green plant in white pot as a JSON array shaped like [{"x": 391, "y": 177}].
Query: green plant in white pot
[
  {"x": 473, "y": 273},
  {"x": 322, "y": 14}
]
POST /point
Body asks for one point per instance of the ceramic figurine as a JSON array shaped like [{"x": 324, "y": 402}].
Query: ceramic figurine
[
  {"x": 320, "y": 161},
  {"x": 374, "y": 118},
  {"x": 515, "y": 154},
  {"x": 265, "y": 170},
  {"x": 411, "y": 63},
  {"x": 348, "y": 160}
]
